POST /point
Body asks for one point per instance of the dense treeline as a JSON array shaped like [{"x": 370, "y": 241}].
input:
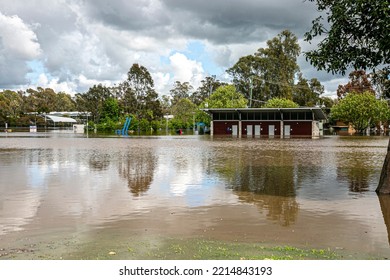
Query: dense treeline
[{"x": 270, "y": 73}]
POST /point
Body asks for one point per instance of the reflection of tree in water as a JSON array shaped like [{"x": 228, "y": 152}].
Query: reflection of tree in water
[
  {"x": 138, "y": 169},
  {"x": 354, "y": 169},
  {"x": 267, "y": 180},
  {"x": 99, "y": 161},
  {"x": 384, "y": 201}
]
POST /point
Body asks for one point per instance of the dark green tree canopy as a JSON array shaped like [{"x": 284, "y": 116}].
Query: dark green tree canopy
[
  {"x": 180, "y": 90},
  {"x": 361, "y": 110},
  {"x": 357, "y": 34},
  {"x": 270, "y": 71}
]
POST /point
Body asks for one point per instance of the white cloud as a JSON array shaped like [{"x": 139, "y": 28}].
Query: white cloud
[
  {"x": 18, "y": 45},
  {"x": 161, "y": 81},
  {"x": 45, "y": 82},
  {"x": 79, "y": 43},
  {"x": 186, "y": 70},
  {"x": 18, "y": 40}
]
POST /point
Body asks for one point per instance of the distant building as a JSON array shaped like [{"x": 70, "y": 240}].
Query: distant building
[{"x": 267, "y": 122}]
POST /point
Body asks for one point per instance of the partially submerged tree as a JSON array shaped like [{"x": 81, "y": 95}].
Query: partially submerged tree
[
  {"x": 362, "y": 110},
  {"x": 356, "y": 34}
]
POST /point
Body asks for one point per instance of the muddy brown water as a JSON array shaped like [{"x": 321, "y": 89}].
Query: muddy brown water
[{"x": 59, "y": 192}]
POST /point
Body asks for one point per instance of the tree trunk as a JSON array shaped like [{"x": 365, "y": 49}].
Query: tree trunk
[
  {"x": 384, "y": 182},
  {"x": 384, "y": 201}
]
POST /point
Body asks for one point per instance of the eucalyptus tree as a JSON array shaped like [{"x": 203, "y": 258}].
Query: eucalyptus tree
[
  {"x": 280, "y": 64},
  {"x": 137, "y": 94},
  {"x": 93, "y": 101},
  {"x": 307, "y": 93},
  {"x": 248, "y": 77},
  {"x": 270, "y": 72},
  {"x": 11, "y": 105},
  {"x": 180, "y": 90},
  {"x": 207, "y": 87}
]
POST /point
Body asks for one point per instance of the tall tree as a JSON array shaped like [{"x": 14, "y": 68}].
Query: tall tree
[
  {"x": 359, "y": 83},
  {"x": 281, "y": 64},
  {"x": 356, "y": 34},
  {"x": 249, "y": 72},
  {"x": 180, "y": 90},
  {"x": 307, "y": 93},
  {"x": 93, "y": 100},
  {"x": 41, "y": 100},
  {"x": 184, "y": 113},
  {"x": 64, "y": 102},
  {"x": 137, "y": 94},
  {"x": 270, "y": 72},
  {"x": 10, "y": 105},
  {"x": 207, "y": 87}
]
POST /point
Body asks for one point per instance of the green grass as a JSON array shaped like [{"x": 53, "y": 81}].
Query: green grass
[
  {"x": 157, "y": 248},
  {"x": 198, "y": 249}
]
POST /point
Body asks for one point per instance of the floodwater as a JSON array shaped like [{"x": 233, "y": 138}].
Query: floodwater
[{"x": 61, "y": 191}]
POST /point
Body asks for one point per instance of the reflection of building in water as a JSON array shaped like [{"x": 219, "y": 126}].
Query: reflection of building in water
[
  {"x": 266, "y": 180},
  {"x": 138, "y": 168}
]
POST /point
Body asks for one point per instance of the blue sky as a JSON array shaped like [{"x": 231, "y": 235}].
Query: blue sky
[{"x": 72, "y": 45}]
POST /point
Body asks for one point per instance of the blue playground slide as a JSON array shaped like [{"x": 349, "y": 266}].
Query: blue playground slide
[{"x": 125, "y": 129}]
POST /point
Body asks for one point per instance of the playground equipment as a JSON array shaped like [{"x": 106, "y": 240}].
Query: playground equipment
[{"x": 125, "y": 129}]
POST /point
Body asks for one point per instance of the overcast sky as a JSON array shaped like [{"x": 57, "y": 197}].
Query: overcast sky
[{"x": 70, "y": 45}]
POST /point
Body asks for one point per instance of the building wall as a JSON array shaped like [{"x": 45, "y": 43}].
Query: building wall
[
  {"x": 264, "y": 126},
  {"x": 300, "y": 128},
  {"x": 297, "y": 128},
  {"x": 223, "y": 127}
]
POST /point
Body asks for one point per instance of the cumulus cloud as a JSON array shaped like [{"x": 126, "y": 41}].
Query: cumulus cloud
[
  {"x": 18, "y": 44},
  {"x": 82, "y": 42},
  {"x": 186, "y": 70},
  {"x": 45, "y": 82}
]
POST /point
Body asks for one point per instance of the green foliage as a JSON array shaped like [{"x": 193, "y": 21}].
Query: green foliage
[
  {"x": 356, "y": 34},
  {"x": 249, "y": 70},
  {"x": 110, "y": 109},
  {"x": 280, "y": 103},
  {"x": 208, "y": 85},
  {"x": 180, "y": 91},
  {"x": 92, "y": 101},
  {"x": 361, "y": 110},
  {"x": 225, "y": 97},
  {"x": 10, "y": 105},
  {"x": 272, "y": 70},
  {"x": 137, "y": 95},
  {"x": 108, "y": 124},
  {"x": 307, "y": 93},
  {"x": 184, "y": 113}
]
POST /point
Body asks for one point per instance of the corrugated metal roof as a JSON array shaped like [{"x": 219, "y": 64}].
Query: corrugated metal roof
[
  {"x": 318, "y": 113},
  {"x": 57, "y": 119}
]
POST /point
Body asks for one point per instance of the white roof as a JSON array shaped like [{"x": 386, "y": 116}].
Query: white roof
[{"x": 61, "y": 119}]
